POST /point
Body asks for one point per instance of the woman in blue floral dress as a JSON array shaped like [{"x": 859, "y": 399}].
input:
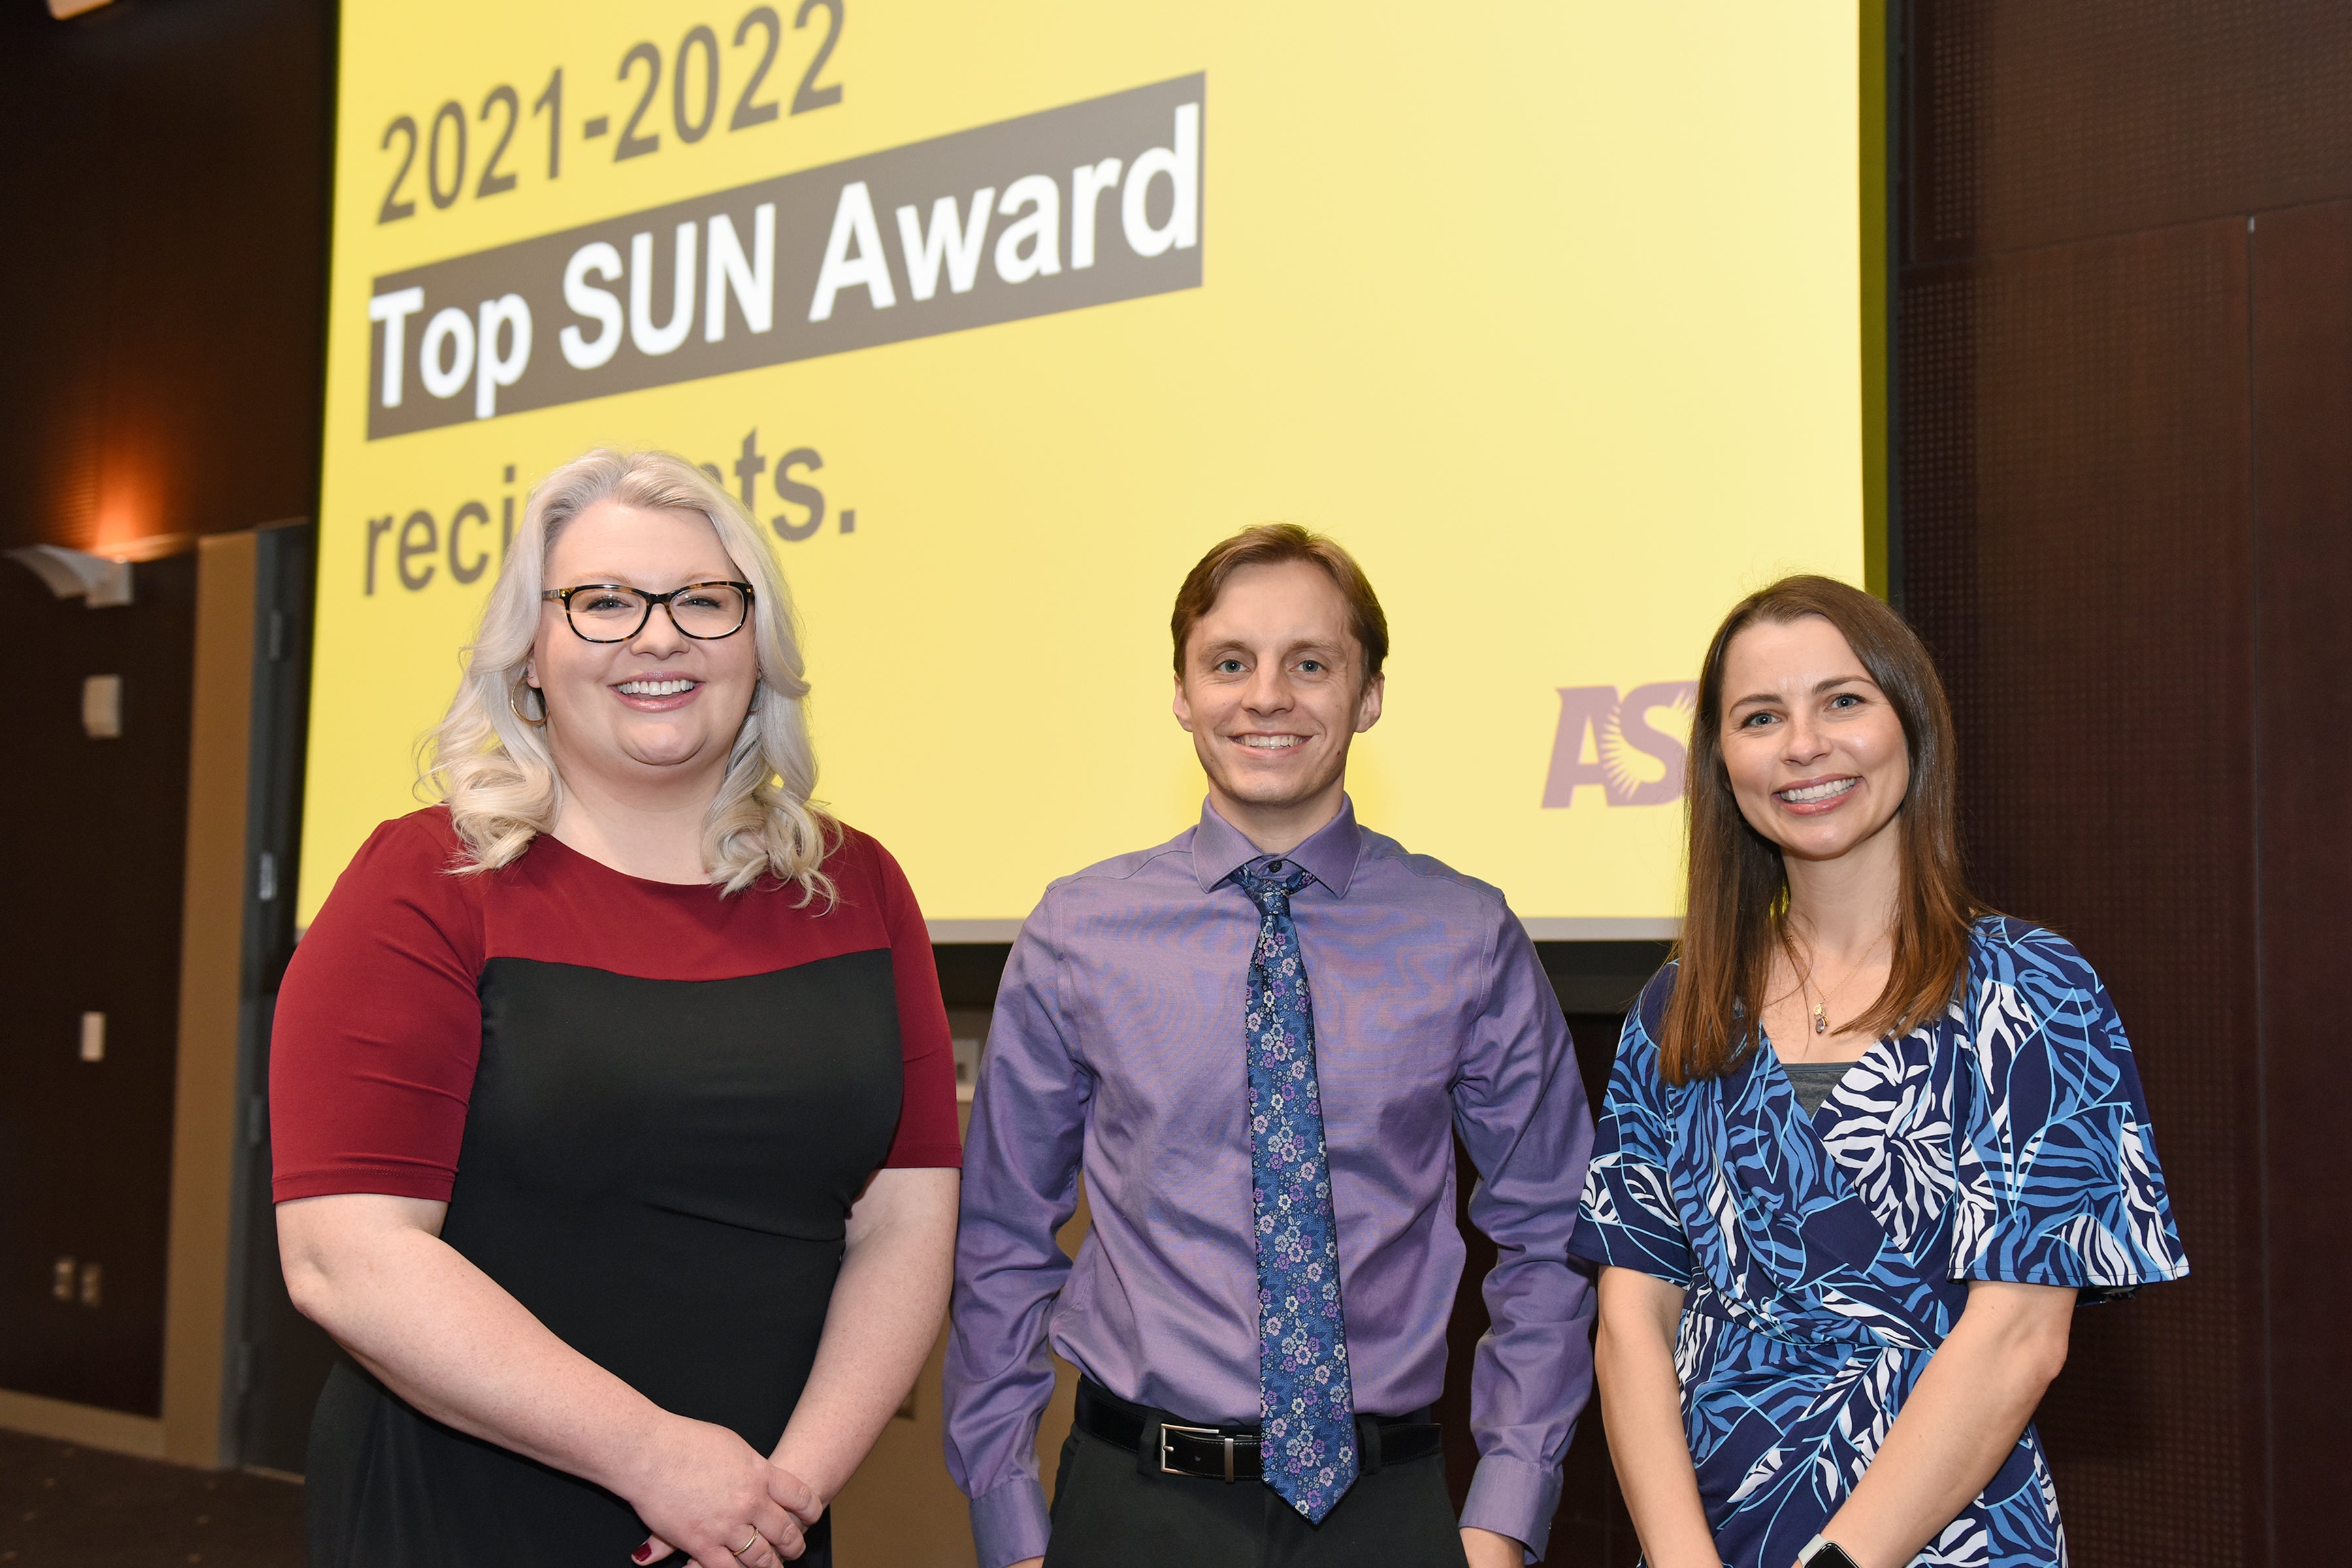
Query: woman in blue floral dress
[{"x": 1865, "y": 1145}]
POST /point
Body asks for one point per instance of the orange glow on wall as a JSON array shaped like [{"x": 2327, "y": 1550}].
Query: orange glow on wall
[{"x": 129, "y": 527}]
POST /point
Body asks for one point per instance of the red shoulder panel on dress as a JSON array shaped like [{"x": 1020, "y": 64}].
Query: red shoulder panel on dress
[{"x": 378, "y": 1025}]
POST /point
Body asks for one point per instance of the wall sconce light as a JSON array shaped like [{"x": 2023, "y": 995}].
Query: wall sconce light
[
  {"x": 77, "y": 575},
  {"x": 61, "y": 9}
]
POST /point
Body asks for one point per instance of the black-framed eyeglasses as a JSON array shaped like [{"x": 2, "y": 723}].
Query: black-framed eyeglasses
[{"x": 614, "y": 612}]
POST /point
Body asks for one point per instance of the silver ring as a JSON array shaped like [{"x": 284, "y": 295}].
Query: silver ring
[{"x": 747, "y": 1546}]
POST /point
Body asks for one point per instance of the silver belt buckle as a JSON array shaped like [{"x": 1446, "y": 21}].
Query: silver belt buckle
[{"x": 1167, "y": 1469}]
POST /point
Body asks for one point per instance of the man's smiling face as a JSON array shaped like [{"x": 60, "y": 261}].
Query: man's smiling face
[{"x": 1273, "y": 691}]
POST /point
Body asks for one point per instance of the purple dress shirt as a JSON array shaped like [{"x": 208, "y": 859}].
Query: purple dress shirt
[{"x": 1118, "y": 1049}]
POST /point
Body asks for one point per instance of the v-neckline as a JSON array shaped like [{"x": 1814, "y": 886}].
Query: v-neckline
[{"x": 1780, "y": 1064}]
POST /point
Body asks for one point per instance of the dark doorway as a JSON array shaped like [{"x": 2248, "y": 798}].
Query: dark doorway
[{"x": 281, "y": 1358}]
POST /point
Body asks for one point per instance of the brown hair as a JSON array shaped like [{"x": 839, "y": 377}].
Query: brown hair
[
  {"x": 1276, "y": 544},
  {"x": 1737, "y": 904}
]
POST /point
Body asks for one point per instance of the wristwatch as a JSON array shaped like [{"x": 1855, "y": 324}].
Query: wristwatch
[{"x": 1822, "y": 1553}]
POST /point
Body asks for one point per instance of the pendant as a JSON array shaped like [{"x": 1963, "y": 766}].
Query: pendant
[{"x": 1821, "y": 1022}]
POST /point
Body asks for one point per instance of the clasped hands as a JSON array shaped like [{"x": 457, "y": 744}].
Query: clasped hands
[{"x": 704, "y": 1491}]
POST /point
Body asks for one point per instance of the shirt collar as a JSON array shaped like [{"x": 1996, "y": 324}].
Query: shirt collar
[{"x": 1329, "y": 854}]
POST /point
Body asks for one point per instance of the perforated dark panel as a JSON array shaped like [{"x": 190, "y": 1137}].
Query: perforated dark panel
[
  {"x": 2077, "y": 549},
  {"x": 2303, "y": 706},
  {"x": 2037, "y": 121}
]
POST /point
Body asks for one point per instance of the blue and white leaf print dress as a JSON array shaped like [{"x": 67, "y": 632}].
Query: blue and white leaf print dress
[{"x": 1827, "y": 1257}]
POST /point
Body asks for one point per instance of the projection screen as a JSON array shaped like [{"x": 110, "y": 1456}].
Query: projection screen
[{"x": 998, "y": 316}]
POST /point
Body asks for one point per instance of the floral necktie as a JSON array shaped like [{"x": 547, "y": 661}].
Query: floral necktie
[{"x": 1306, "y": 1411}]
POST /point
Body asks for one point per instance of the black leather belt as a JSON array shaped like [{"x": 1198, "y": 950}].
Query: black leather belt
[{"x": 1165, "y": 1445}]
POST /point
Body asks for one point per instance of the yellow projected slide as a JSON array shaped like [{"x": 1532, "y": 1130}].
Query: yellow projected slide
[{"x": 998, "y": 316}]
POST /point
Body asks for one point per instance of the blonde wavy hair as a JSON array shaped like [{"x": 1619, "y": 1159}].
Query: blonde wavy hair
[{"x": 495, "y": 771}]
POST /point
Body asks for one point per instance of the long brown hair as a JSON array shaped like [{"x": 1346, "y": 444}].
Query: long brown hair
[{"x": 1736, "y": 911}]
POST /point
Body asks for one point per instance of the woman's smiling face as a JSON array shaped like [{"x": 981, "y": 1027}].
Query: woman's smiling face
[
  {"x": 660, "y": 702},
  {"x": 1815, "y": 751}
]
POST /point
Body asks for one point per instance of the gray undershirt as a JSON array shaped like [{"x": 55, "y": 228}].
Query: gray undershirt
[{"x": 1813, "y": 1080}]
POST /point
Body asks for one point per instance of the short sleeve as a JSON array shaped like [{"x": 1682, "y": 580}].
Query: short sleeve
[
  {"x": 1627, "y": 1218},
  {"x": 927, "y": 1135},
  {"x": 2059, "y": 1183},
  {"x": 379, "y": 1025}
]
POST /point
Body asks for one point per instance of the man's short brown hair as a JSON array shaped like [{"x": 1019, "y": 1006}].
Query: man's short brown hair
[{"x": 1277, "y": 544}]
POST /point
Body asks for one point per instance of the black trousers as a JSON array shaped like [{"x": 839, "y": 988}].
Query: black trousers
[{"x": 1110, "y": 1512}]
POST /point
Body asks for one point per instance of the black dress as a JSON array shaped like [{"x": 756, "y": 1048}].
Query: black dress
[{"x": 662, "y": 1103}]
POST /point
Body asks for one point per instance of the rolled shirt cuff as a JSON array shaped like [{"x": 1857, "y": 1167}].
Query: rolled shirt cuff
[
  {"x": 1508, "y": 1497},
  {"x": 1011, "y": 1523}
]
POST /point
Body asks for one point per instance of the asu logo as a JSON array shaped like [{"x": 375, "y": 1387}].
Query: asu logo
[{"x": 1633, "y": 761}]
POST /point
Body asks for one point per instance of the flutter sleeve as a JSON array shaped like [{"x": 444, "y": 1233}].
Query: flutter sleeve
[
  {"x": 2059, "y": 1183},
  {"x": 1627, "y": 1217}
]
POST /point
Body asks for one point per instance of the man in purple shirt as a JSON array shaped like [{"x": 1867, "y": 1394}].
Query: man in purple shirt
[{"x": 1258, "y": 1312}]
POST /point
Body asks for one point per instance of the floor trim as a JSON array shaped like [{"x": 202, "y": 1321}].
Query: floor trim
[{"x": 85, "y": 1423}]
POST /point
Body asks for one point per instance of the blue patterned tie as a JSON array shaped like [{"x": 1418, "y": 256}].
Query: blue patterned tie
[{"x": 1307, "y": 1412}]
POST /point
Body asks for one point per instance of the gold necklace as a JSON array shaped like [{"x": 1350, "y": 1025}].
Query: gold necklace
[
  {"x": 1821, "y": 1007},
  {"x": 1821, "y": 1013}
]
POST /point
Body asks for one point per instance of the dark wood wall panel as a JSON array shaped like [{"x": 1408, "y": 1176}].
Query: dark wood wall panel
[
  {"x": 166, "y": 178},
  {"x": 2034, "y": 123},
  {"x": 2303, "y": 757},
  {"x": 165, "y": 174},
  {"x": 2127, "y": 485},
  {"x": 2078, "y": 549},
  {"x": 91, "y": 923}
]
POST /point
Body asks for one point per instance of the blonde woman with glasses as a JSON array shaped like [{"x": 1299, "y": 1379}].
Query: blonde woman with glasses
[{"x": 613, "y": 1102}]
